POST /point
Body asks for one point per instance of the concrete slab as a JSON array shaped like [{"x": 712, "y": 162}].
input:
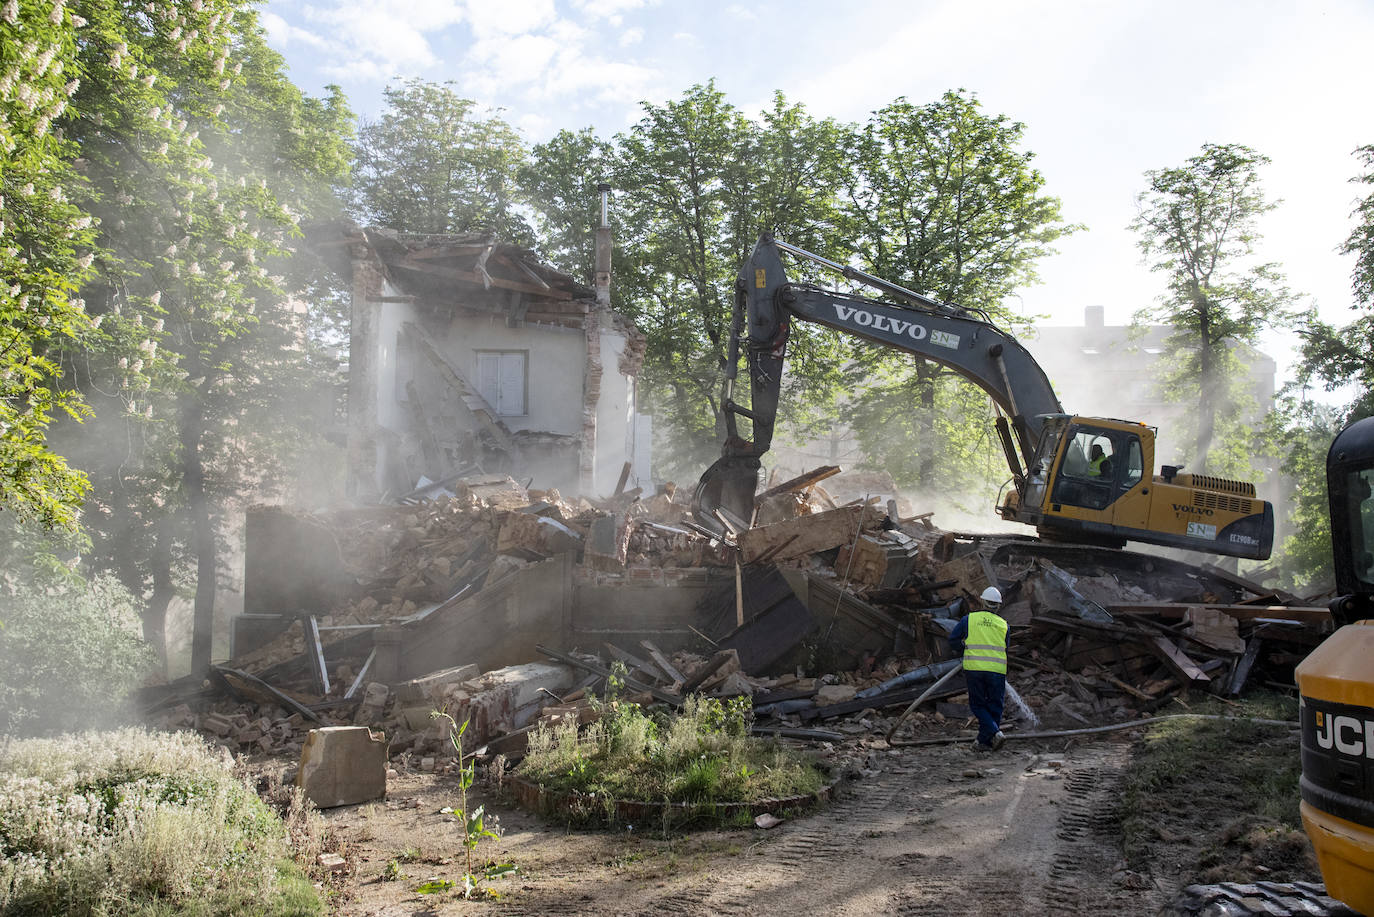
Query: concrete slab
[{"x": 342, "y": 766}]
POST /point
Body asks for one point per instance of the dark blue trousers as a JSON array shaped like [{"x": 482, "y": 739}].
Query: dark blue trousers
[{"x": 985, "y": 693}]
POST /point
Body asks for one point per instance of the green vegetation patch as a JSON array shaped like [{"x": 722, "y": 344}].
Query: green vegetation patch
[
  {"x": 1217, "y": 800},
  {"x": 132, "y": 822},
  {"x": 702, "y": 756}
]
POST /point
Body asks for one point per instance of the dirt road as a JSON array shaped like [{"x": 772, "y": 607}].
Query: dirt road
[{"x": 931, "y": 831}]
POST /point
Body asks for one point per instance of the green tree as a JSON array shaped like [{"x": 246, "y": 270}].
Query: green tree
[
  {"x": 561, "y": 181},
  {"x": 46, "y": 244},
  {"x": 698, "y": 181},
  {"x": 941, "y": 198},
  {"x": 197, "y": 161},
  {"x": 432, "y": 164},
  {"x": 69, "y": 658},
  {"x": 1198, "y": 225}
]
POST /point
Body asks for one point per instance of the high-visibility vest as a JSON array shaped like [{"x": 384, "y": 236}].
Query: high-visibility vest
[
  {"x": 1095, "y": 466},
  {"x": 985, "y": 650}
]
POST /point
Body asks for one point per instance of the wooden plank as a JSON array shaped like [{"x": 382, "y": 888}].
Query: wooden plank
[
  {"x": 1178, "y": 661},
  {"x": 1241, "y": 582},
  {"x": 1243, "y": 667},
  {"x": 805, "y": 534},
  {"x": 721, "y": 660},
  {"x": 662, "y": 662},
  {"x": 800, "y": 482},
  {"x": 656, "y": 693},
  {"x": 635, "y": 664},
  {"x": 362, "y": 673},
  {"x": 1306, "y": 614}
]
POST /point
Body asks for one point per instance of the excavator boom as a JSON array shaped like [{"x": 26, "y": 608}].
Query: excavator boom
[{"x": 1065, "y": 492}]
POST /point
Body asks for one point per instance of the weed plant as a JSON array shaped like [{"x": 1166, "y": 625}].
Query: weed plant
[
  {"x": 139, "y": 823},
  {"x": 701, "y": 756}
]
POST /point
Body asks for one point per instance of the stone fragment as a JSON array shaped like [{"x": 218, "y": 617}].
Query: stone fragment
[
  {"x": 835, "y": 694},
  {"x": 343, "y": 765}
]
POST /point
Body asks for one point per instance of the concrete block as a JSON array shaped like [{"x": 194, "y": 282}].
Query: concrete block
[
  {"x": 432, "y": 687},
  {"x": 343, "y": 765}
]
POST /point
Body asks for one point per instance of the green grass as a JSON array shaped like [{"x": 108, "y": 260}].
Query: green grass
[
  {"x": 132, "y": 822},
  {"x": 702, "y": 756},
  {"x": 1212, "y": 800}
]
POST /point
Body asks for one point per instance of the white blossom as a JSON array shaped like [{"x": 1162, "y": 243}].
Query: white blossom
[
  {"x": 70, "y": 88},
  {"x": 156, "y": 299},
  {"x": 123, "y": 363},
  {"x": 149, "y": 80},
  {"x": 78, "y": 22},
  {"x": 85, "y": 261},
  {"x": 157, "y": 325},
  {"x": 95, "y": 322},
  {"x": 11, "y": 12},
  {"x": 136, "y": 366}
]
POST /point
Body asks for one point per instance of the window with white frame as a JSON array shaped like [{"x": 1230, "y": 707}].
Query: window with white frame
[{"x": 502, "y": 380}]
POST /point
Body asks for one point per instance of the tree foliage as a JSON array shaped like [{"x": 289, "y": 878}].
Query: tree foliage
[
  {"x": 69, "y": 658},
  {"x": 433, "y": 164},
  {"x": 1198, "y": 225},
  {"x": 197, "y": 160},
  {"x": 698, "y": 182},
  {"x": 46, "y": 248},
  {"x": 942, "y": 198}
]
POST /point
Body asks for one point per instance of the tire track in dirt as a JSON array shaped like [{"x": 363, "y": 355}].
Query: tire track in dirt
[{"x": 937, "y": 832}]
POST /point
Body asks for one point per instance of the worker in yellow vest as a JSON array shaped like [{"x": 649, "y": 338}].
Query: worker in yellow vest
[{"x": 982, "y": 638}]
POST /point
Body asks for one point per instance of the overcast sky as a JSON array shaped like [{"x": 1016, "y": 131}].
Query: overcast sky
[{"x": 1106, "y": 89}]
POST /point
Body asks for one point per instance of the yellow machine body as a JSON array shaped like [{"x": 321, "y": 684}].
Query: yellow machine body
[
  {"x": 1336, "y": 686},
  {"x": 1093, "y": 479}
]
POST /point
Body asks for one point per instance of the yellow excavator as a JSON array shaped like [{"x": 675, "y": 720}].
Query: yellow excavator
[
  {"x": 1336, "y": 685},
  {"x": 1075, "y": 479}
]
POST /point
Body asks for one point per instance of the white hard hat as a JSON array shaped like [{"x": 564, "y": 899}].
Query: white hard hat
[{"x": 992, "y": 594}]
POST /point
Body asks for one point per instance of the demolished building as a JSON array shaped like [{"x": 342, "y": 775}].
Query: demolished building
[{"x": 468, "y": 354}]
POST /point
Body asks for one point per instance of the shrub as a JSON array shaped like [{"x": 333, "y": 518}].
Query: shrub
[
  {"x": 69, "y": 658},
  {"x": 702, "y": 755},
  {"x": 132, "y": 822}
]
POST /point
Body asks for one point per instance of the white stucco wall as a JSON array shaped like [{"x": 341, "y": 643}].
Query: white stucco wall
[
  {"x": 614, "y": 416},
  {"x": 553, "y": 369}
]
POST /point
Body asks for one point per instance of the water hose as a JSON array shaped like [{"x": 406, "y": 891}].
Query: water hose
[{"x": 1065, "y": 733}]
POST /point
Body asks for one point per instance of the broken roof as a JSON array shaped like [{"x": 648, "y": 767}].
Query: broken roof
[{"x": 444, "y": 269}]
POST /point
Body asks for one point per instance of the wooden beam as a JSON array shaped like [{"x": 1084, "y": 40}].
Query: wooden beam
[
  {"x": 800, "y": 482},
  {"x": 482, "y": 280},
  {"x": 1177, "y": 661}
]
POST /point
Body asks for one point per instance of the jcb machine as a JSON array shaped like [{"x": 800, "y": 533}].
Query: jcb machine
[
  {"x": 1080, "y": 479},
  {"x": 1336, "y": 686}
]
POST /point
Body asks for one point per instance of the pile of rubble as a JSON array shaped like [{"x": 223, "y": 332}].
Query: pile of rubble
[{"x": 835, "y": 619}]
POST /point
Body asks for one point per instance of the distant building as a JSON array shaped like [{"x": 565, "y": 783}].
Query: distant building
[
  {"x": 1103, "y": 371},
  {"x": 468, "y": 354}
]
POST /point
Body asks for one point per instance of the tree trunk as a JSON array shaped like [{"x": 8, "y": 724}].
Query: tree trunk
[
  {"x": 926, "y": 374},
  {"x": 202, "y": 535},
  {"x": 1207, "y": 400},
  {"x": 155, "y": 609}
]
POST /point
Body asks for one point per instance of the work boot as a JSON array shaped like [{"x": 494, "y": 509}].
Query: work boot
[
  {"x": 997, "y": 740},
  {"x": 981, "y": 748}
]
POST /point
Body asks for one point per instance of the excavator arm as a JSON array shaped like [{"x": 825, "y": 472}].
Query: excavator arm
[{"x": 766, "y": 303}]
